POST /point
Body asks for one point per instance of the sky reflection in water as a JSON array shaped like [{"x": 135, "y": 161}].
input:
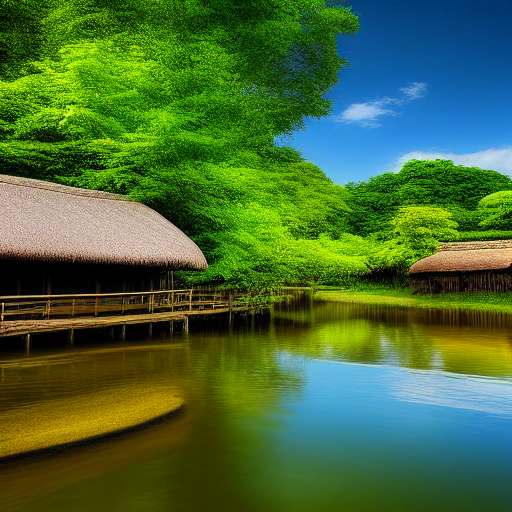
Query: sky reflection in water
[{"x": 330, "y": 407}]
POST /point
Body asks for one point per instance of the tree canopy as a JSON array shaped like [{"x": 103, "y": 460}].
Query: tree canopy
[
  {"x": 496, "y": 210},
  {"x": 177, "y": 103},
  {"x": 422, "y": 182}
]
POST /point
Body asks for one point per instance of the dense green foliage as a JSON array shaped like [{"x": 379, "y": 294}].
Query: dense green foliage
[
  {"x": 496, "y": 210},
  {"x": 177, "y": 104},
  {"x": 416, "y": 232},
  {"x": 470, "y": 236},
  {"x": 457, "y": 189}
]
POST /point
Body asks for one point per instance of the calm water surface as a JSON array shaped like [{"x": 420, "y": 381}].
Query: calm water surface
[{"x": 328, "y": 407}]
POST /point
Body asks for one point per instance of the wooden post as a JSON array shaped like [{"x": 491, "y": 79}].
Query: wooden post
[
  {"x": 123, "y": 332},
  {"x": 73, "y": 308},
  {"x": 98, "y": 291},
  {"x": 185, "y": 324},
  {"x": 71, "y": 336},
  {"x": 27, "y": 343},
  {"x": 122, "y": 306},
  {"x": 150, "y": 330},
  {"x": 172, "y": 280},
  {"x": 172, "y": 301},
  {"x": 111, "y": 333},
  {"x": 171, "y": 327},
  {"x": 190, "y": 300},
  {"x": 48, "y": 305},
  {"x": 230, "y": 305},
  {"x": 3, "y": 311}
]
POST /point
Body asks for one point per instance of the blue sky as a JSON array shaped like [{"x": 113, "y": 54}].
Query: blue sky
[{"x": 427, "y": 80}]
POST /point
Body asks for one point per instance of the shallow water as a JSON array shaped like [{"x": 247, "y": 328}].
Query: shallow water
[{"x": 327, "y": 407}]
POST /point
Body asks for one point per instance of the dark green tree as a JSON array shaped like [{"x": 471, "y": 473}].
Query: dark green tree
[{"x": 422, "y": 182}]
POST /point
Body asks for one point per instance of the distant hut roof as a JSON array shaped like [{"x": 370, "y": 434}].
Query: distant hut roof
[
  {"x": 43, "y": 221},
  {"x": 467, "y": 257}
]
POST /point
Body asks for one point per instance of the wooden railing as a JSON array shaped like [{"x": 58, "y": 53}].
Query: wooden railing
[{"x": 18, "y": 307}]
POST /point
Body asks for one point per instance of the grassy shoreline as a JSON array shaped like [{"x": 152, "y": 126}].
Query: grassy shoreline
[{"x": 492, "y": 302}]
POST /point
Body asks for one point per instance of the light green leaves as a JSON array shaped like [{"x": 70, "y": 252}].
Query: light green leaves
[{"x": 496, "y": 210}]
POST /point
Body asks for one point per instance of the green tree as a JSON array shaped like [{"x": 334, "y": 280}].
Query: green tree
[
  {"x": 416, "y": 234},
  {"x": 440, "y": 182},
  {"x": 421, "y": 182},
  {"x": 176, "y": 103},
  {"x": 421, "y": 227},
  {"x": 372, "y": 204},
  {"x": 496, "y": 210}
]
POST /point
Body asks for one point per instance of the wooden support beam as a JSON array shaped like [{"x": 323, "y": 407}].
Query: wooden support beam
[
  {"x": 185, "y": 324},
  {"x": 71, "y": 336},
  {"x": 230, "y": 305},
  {"x": 123, "y": 332},
  {"x": 27, "y": 343},
  {"x": 150, "y": 330}
]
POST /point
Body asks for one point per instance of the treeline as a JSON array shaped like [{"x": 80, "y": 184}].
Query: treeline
[
  {"x": 440, "y": 183},
  {"x": 406, "y": 214},
  {"x": 177, "y": 104}
]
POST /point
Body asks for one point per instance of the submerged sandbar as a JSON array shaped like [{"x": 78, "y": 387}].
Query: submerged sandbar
[{"x": 62, "y": 421}]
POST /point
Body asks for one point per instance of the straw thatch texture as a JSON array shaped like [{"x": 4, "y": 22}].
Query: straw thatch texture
[
  {"x": 465, "y": 267},
  {"x": 469, "y": 246},
  {"x": 464, "y": 261},
  {"x": 42, "y": 221}
]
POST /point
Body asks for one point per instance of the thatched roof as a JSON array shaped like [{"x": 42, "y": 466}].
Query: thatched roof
[
  {"x": 42, "y": 221},
  {"x": 467, "y": 257}
]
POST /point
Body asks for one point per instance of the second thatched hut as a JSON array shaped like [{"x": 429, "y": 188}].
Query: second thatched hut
[{"x": 465, "y": 267}]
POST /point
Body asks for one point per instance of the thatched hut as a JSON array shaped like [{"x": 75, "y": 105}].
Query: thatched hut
[
  {"x": 56, "y": 239},
  {"x": 465, "y": 267}
]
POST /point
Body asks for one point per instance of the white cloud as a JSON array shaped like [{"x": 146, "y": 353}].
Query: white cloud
[
  {"x": 366, "y": 114},
  {"x": 495, "y": 159},
  {"x": 415, "y": 90}
]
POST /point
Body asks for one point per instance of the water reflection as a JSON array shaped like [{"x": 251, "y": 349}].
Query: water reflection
[
  {"x": 457, "y": 342},
  {"x": 475, "y": 393},
  {"x": 324, "y": 407}
]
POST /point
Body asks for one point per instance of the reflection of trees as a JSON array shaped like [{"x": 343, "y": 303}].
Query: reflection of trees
[
  {"x": 235, "y": 377},
  {"x": 234, "y": 383},
  {"x": 227, "y": 379},
  {"x": 473, "y": 351},
  {"x": 472, "y": 342}
]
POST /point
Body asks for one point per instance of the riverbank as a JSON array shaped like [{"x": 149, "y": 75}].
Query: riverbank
[
  {"x": 380, "y": 295},
  {"x": 53, "y": 423}
]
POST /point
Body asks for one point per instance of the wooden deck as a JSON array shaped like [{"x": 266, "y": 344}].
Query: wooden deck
[{"x": 25, "y": 315}]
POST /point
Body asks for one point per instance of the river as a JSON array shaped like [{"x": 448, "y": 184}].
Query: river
[{"x": 321, "y": 407}]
